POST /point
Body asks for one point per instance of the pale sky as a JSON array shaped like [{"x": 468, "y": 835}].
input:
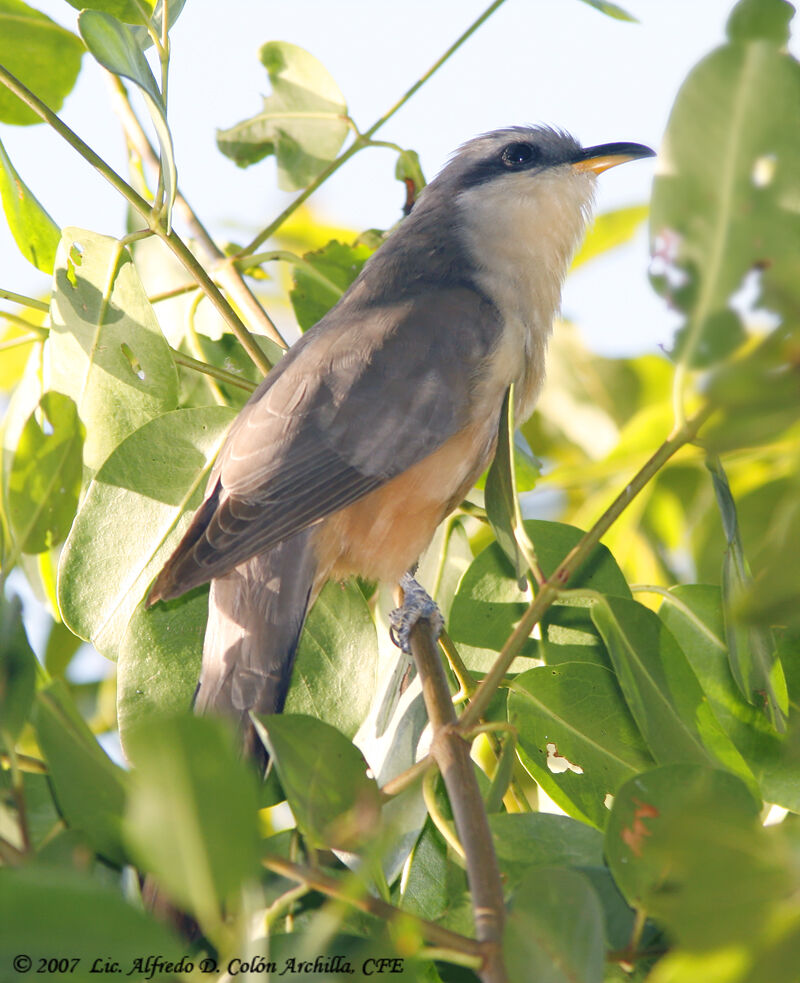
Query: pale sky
[{"x": 554, "y": 61}]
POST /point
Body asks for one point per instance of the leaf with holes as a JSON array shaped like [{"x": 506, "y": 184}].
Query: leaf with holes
[
  {"x": 723, "y": 204},
  {"x": 106, "y": 349},
  {"x": 576, "y": 736},
  {"x": 132, "y": 517},
  {"x": 684, "y": 843}
]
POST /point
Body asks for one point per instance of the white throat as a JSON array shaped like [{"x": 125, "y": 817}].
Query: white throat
[{"x": 521, "y": 232}]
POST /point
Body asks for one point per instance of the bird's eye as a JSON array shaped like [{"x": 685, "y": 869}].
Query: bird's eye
[{"x": 519, "y": 154}]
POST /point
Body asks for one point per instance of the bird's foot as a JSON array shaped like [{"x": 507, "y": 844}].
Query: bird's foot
[{"x": 417, "y": 605}]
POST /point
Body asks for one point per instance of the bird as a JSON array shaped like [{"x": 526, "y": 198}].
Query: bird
[{"x": 375, "y": 424}]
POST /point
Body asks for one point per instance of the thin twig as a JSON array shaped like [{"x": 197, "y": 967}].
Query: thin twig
[
  {"x": 333, "y": 887},
  {"x": 451, "y": 754},
  {"x": 224, "y": 271},
  {"x": 363, "y": 139},
  {"x": 38, "y": 305}
]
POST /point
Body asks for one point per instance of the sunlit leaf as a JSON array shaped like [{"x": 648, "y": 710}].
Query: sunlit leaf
[
  {"x": 44, "y": 56},
  {"x": 722, "y": 203},
  {"x": 132, "y": 517},
  {"x": 684, "y": 843},
  {"x": 334, "y": 673},
  {"x": 45, "y": 475},
  {"x": 303, "y": 123},
  {"x": 693, "y": 613},
  {"x": 130, "y": 11},
  {"x": 35, "y": 233},
  {"x": 610, "y": 230},
  {"x": 105, "y": 349},
  {"x": 502, "y": 502}
]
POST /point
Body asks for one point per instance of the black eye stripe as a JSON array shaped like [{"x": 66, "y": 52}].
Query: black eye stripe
[{"x": 520, "y": 154}]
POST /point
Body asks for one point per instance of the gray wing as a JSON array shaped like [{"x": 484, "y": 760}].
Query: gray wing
[{"x": 368, "y": 392}]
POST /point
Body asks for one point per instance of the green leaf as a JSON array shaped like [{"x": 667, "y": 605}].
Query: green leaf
[
  {"x": 757, "y": 394},
  {"x": 432, "y": 883},
  {"x": 17, "y": 671},
  {"x": 541, "y": 839},
  {"x": 159, "y": 661},
  {"x": 325, "y": 779},
  {"x": 44, "y": 479},
  {"x": 89, "y": 787},
  {"x": 105, "y": 349},
  {"x": 721, "y": 205},
  {"x": 554, "y": 930},
  {"x": 41, "y": 815},
  {"x": 114, "y": 45},
  {"x": 131, "y": 519},
  {"x": 502, "y": 503},
  {"x": 684, "y": 843},
  {"x": 61, "y": 646},
  {"x": 409, "y": 170},
  {"x": 693, "y": 614},
  {"x": 322, "y": 278},
  {"x": 753, "y": 20},
  {"x": 576, "y": 736},
  {"x": 303, "y": 123},
  {"x": 192, "y": 812},
  {"x": 609, "y": 231},
  {"x": 129, "y": 11},
  {"x": 751, "y": 648},
  {"x": 45, "y": 57},
  {"x": 661, "y": 689},
  {"x": 489, "y": 602},
  {"x": 140, "y": 34},
  {"x": 337, "y": 660},
  {"x": 51, "y": 913},
  {"x": 35, "y": 233}
]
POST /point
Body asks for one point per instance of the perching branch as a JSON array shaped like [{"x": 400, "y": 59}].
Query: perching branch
[{"x": 451, "y": 754}]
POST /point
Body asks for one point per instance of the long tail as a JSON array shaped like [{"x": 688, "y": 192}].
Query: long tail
[{"x": 255, "y": 616}]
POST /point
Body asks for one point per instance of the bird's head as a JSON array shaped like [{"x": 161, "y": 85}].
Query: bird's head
[{"x": 522, "y": 197}]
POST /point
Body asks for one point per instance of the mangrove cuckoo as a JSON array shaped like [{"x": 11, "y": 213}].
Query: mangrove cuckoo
[{"x": 378, "y": 421}]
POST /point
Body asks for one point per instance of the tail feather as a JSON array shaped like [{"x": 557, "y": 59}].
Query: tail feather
[{"x": 255, "y": 615}]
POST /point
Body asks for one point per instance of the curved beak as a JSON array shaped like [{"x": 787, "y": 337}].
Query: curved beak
[{"x": 600, "y": 158}]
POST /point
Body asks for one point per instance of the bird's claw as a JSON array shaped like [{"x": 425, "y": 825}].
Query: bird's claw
[{"x": 417, "y": 605}]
